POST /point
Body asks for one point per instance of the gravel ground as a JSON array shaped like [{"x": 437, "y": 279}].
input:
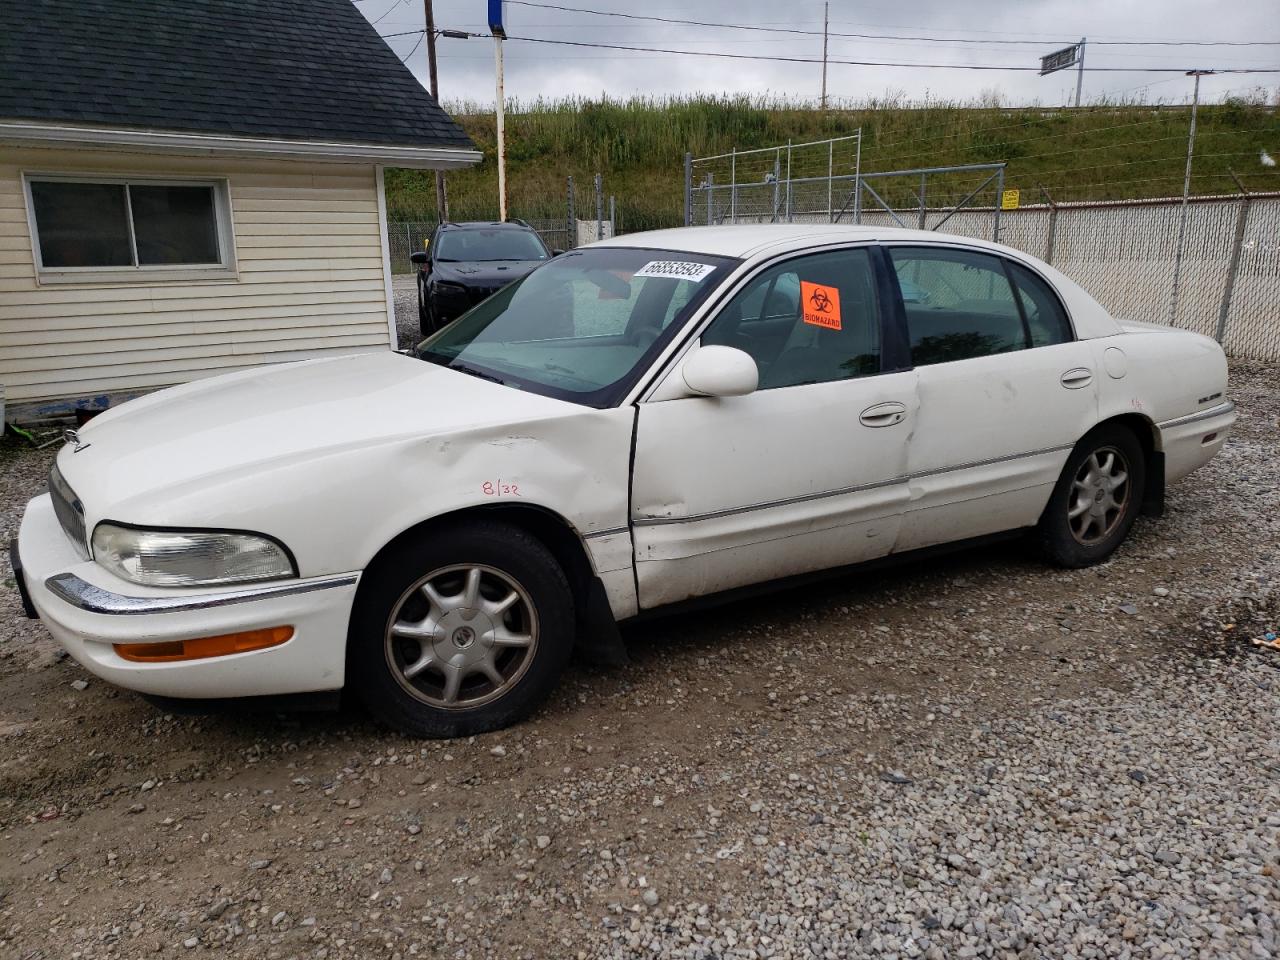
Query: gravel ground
[
  {"x": 969, "y": 756},
  {"x": 404, "y": 291}
]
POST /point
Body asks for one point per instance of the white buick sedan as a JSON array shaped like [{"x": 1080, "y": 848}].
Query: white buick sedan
[{"x": 643, "y": 421}]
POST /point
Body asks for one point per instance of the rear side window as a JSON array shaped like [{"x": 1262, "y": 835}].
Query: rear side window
[
  {"x": 1047, "y": 322},
  {"x": 959, "y": 304}
]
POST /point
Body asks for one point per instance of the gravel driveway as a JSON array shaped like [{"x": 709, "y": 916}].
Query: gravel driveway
[{"x": 969, "y": 756}]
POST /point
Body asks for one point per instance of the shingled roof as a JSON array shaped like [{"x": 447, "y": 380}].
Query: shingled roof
[{"x": 304, "y": 70}]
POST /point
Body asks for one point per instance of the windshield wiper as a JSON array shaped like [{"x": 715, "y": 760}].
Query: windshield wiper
[{"x": 473, "y": 372}]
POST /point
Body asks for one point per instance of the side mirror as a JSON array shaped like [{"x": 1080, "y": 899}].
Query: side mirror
[
  {"x": 419, "y": 257},
  {"x": 716, "y": 371},
  {"x": 557, "y": 253}
]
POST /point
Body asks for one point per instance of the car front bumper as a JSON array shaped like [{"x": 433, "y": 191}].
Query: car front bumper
[{"x": 87, "y": 610}]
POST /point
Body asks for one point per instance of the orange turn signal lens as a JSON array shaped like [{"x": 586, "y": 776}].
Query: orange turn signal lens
[{"x": 203, "y": 647}]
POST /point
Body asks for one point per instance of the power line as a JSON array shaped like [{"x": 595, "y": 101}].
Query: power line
[
  {"x": 878, "y": 36},
  {"x": 405, "y": 58},
  {"x": 865, "y": 63}
]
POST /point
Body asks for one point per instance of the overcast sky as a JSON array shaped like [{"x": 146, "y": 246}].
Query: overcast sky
[{"x": 532, "y": 70}]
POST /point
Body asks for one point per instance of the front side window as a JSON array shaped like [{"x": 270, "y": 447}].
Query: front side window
[
  {"x": 476, "y": 244},
  {"x": 813, "y": 319},
  {"x": 584, "y": 326},
  {"x": 86, "y": 225},
  {"x": 959, "y": 304}
]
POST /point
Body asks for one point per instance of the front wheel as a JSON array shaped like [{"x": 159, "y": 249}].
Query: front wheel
[
  {"x": 463, "y": 633},
  {"x": 1096, "y": 500}
]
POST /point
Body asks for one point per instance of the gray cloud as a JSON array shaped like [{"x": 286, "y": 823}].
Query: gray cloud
[{"x": 466, "y": 66}]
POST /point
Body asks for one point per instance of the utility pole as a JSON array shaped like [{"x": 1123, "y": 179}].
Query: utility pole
[
  {"x": 825, "y": 11},
  {"x": 1186, "y": 190},
  {"x": 502, "y": 139},
  {"x": 442, "y": 197},
  {"x": 1080, "y": 70}
]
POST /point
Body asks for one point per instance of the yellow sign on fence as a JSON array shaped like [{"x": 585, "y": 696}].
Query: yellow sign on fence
[{"x": 1009, "y": 200}]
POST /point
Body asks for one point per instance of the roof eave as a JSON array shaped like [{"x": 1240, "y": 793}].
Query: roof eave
[{"x": 32, "y": 133}]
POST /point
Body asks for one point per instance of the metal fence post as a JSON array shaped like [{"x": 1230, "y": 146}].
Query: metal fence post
[
  {"x": 1242, "y": 219},
  {"x": 857, "y": 181},
  {"x": 1053, "y": 226},
  {"x": 995, "y": 224},
  {"x": 599, "y": 206},
  {"x": 733, "y": 186},
  {"x": 923, "y": 179},
  {"x": 788, "y": 181},
  {"x": 711, "y": 197},
  {"x": 688, "y": 189},
  {"x": 571, "y": 224},
  {"x": 831, "y": 156},
  {"x": 777, "y": 178},
  {"x": 613, "y": 220}
]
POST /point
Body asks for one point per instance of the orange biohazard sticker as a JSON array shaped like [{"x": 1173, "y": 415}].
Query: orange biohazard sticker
[{"x": 819, "y": 305}]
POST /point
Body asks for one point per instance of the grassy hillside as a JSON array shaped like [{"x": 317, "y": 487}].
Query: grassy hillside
[{"x": 1104, "y": 151}]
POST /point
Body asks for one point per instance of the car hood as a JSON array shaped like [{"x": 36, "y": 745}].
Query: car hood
[
  {"x": 486, "y": 273},
  {"x": 188, "y": 438}
]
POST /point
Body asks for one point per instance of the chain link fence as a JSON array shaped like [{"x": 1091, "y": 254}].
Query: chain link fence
[{"x": 1126, "y": 255}]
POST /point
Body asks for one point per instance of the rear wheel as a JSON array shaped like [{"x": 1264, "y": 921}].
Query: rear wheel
[
  {"x": 466, "y": 632},
  {"x": 1096, "y": 499}
]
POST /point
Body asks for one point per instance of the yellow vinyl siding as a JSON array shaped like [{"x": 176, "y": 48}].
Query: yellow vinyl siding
[{"x": 309, "y": 281}]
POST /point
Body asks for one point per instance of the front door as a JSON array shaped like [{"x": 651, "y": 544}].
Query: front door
[
  {"x": 806, "y": 473},
  {"x": 1005, "y": 391}
]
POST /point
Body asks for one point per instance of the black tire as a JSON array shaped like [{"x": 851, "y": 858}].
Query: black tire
[
  {"x": 375, "y": 659},
  {"x": 1083, "y": 486}
]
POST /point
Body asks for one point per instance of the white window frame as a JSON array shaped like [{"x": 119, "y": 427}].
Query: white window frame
[{"x": 224, "y": 269}]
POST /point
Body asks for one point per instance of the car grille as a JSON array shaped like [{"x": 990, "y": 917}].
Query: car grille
[
  {"x": 70, "y": 512},
  {"x": 476, "y": 294}
]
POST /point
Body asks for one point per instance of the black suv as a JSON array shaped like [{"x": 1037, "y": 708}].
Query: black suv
[{"x": 465, "y": 263}]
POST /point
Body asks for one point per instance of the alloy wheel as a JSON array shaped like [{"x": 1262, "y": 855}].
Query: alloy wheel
[
  {"x": 1100, "y": 494},
  {"x": 462, "y": 636}
]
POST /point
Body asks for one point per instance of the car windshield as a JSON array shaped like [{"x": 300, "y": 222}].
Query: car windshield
[
  {"x": 584, "y": 326},
  {"x": 500, "y": 243}
]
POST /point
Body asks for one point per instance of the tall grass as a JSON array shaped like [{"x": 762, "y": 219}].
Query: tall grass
[{"x": 1109, "y": 150}]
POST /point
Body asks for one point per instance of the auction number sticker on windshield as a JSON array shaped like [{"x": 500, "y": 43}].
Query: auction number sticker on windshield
[{"x": 675, "y": 270}]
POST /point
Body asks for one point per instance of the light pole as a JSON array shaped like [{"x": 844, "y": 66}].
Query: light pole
[
  {"x": 1186, "y": 191},
  {"x": 499, "y": 31}
]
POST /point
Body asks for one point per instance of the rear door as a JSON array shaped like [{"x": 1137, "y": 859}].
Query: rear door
[
  {"x": 807, "y": 472},
  {"x": 1004, "y": 391}
]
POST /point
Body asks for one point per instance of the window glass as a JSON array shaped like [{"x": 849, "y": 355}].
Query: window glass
[
  {"x": 959, "y": 305},
  {"x": 144, "y": 224},
  {"x": 477, "y": 244},
  {"x": 813, "y": 319},
  {"x": 581, "y": 327},
  {"x": 82, "y": 224},
  {"x": 174, "y": 224},
  {"x": 1046, "y": 320}
]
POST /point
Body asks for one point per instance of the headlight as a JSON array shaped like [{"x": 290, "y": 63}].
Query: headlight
[{"x": 185, "y": 558}]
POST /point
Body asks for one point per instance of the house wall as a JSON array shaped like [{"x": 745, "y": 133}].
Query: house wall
[{"x": 310, "y": 282}]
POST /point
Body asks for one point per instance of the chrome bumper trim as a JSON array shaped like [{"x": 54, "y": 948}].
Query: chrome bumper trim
[
  {"x": 1220, "y": 410},
  {"x": 79, "y": 593}
]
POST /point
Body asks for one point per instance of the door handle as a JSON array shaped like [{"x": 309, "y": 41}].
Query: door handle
[
  {"x": 1077, "y": 378},
  {"x": 883, "y": 414}
]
